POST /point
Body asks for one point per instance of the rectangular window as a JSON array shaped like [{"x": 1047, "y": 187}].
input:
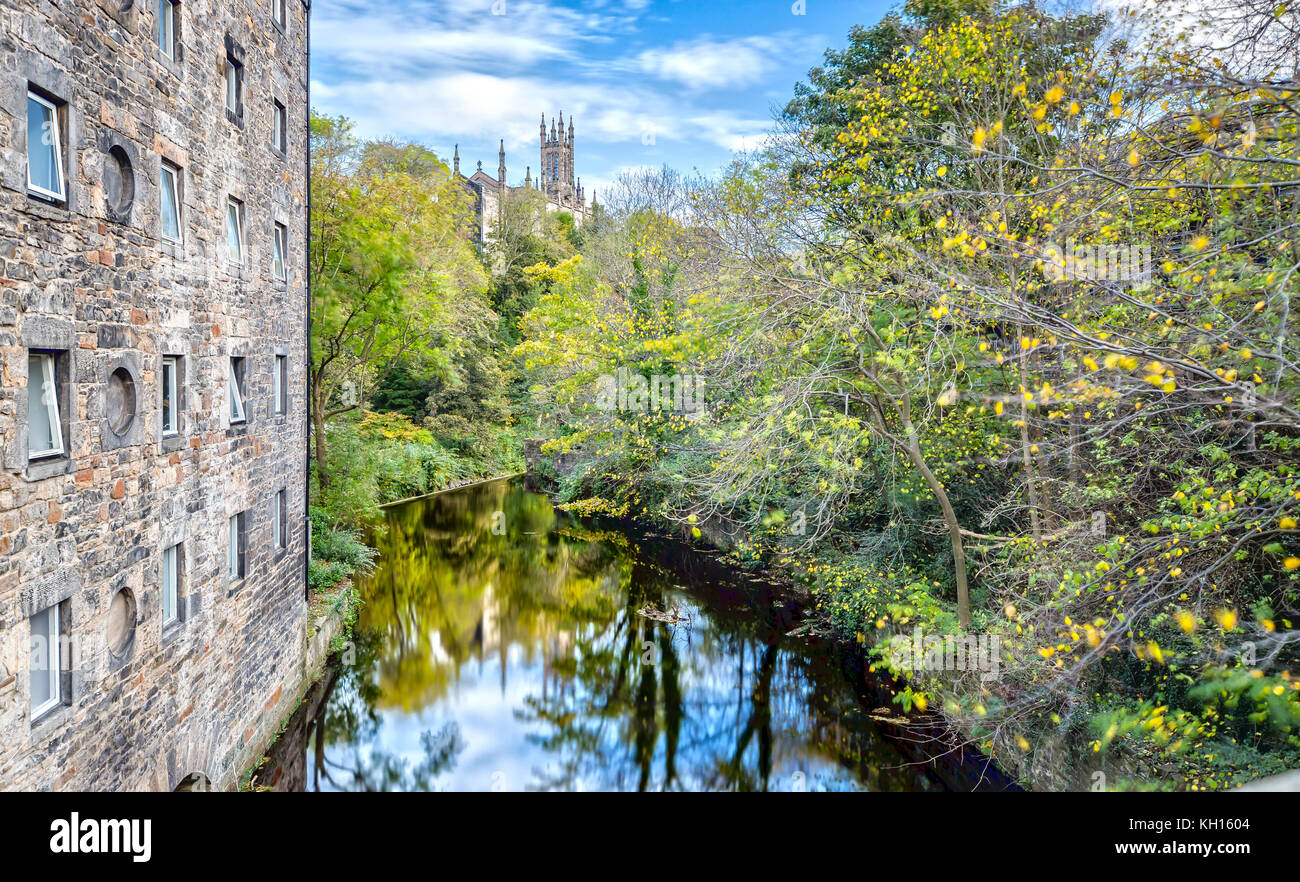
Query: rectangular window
[
  {"x": 279, "y": 520},
  {"x": 278, "y": 237},
  {"x": 278, "y": 12},
  {"x": 236, "y": 390},
  {"x": 167, "y": 28},
  {"x": 170, "y": 210},
  {"x": 234, "y": 84},
  {"x": 236, "y": 547},
  {"x": 44, "y": 148},
  {"x": 170, "y": 403},
  {"x": 44, "y": 424},
  {"x": 46, "y": 661},
  {"x": 171, "y": 580},
  {"x": 279, "y": 133},
  {"x": 235, "y": 231},
  {"x": 281, "y": 381}
]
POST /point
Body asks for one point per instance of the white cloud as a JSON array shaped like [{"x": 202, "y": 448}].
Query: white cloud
[{"x": 712, "y": 64}]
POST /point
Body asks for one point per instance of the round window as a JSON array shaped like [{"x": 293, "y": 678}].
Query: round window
[
  {"x": 119, "y": 406},
  {"x": 121, "y": 622},
  {"x": 119, "y": 181}
]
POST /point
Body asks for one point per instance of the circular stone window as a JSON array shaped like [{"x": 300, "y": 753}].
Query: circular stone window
[
  {"x": 119, "y": 182},
  {"x": 121, "y": 622},
  {"x": 119, "y": 406}
]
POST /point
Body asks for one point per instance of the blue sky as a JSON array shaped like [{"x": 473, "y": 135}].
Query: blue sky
[{"x": 682, "y": 82}]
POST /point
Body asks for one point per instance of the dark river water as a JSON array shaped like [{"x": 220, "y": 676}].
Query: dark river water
[{"x": 507, "y": 646}]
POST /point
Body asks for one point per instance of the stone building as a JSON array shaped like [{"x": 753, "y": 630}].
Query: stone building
[
  {"x": 561, "y": 190},
  {"x": 153, "y": 312}
]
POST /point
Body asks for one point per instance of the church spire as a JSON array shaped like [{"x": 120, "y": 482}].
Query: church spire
[
  {"x": 455, "y": 160},
  {"x": 501, "y": 163}
]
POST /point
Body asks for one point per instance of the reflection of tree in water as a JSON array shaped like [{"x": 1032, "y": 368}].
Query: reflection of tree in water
[
  {"x": 722, "y": 701},
  {"x": 349, "y": 723},
  {"x": 624, "y": 701},
  {"x": 450, "y": 589}
]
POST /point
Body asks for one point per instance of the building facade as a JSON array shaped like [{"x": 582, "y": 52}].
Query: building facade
[
  {"x": 153, "y": 334},
  {"x": 557, "y": 183}
]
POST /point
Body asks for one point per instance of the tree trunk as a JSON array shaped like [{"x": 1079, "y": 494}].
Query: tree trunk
[{"x": 949, "y": 518}]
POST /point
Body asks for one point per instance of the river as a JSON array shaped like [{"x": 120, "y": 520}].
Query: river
[{"x": 505, "y": 645}]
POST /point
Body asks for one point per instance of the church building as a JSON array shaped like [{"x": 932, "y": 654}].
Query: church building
[{"x": 556, "y": 181}]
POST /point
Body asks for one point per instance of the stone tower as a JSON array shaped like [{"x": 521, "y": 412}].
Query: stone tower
[{"x": 556, "y": 178}]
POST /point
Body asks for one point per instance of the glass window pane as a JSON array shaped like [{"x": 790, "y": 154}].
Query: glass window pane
[
  {"x": 234, "y": 241},
  {"x": 232, "y": 85},
  {"x": 43, "y": 169},
  {"x": 171, "y": 221},
  {"x": 169, "y": 584},
  {"x": 232, "y": 552},
  {"x": 277, "y": 263},
  {"x": 169, "y": 396},
  {"x": 44, "y": 659},
  {"x": 166, "y": 27},
  {"x": 236, "y": 397},
  {"x": 44, "y": 434}
]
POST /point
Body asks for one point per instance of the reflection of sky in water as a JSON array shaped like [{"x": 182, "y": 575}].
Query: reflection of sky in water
[
  {"x": 499, "y": 754},
  {"x": 586, "y": 671}
]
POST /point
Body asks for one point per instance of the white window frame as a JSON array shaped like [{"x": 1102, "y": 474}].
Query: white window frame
[
  {"x": 167, "y": 28},
  {"x": 232, "y": 551},
  {"x": 234, "y": 210},
  {"x": 175, "y": 172},
  {"x": 232, "y": 85},
  {"x": 61, "y": 195},
  {"x": 279, "y": 243},
  {"x": 278, "y": 126},
  {"x": 280, "y": 13},
  {"x": 281, "y": 384},
  {"x": 171, "y": 579},
  {"x": 54, "y": 653},
  {"x": 278, "y": 511},
  {"x": 50, "y": 376},
  {"x": 237, "y": 412},
  {"x": 170, "y": 386}
]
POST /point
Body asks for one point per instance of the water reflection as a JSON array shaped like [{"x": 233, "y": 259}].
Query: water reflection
[{"x": 505, "y": 646}]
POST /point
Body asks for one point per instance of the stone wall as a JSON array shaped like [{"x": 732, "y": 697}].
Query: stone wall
[{"x": 91, "y": 279}]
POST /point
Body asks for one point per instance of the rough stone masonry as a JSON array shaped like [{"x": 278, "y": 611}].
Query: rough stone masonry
[{"x": 153, "y": 227}]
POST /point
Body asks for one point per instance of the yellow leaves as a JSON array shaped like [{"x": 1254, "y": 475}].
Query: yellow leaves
[
  {"x": 978, "y": 139},
  {"x": 1047, "y": 651},
  {"x": 1153, "y": 650},
  {"x": 1074, "y": 108},
  {"x": 997, "y": 408},
  {"x": 1134, "y": 158},
  {"x": 1292, "y": 563},
  {"x": 1040, "y": 112},
  {"x": 943, "y": 170},
  {"x": 1054, "y": 95}
]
